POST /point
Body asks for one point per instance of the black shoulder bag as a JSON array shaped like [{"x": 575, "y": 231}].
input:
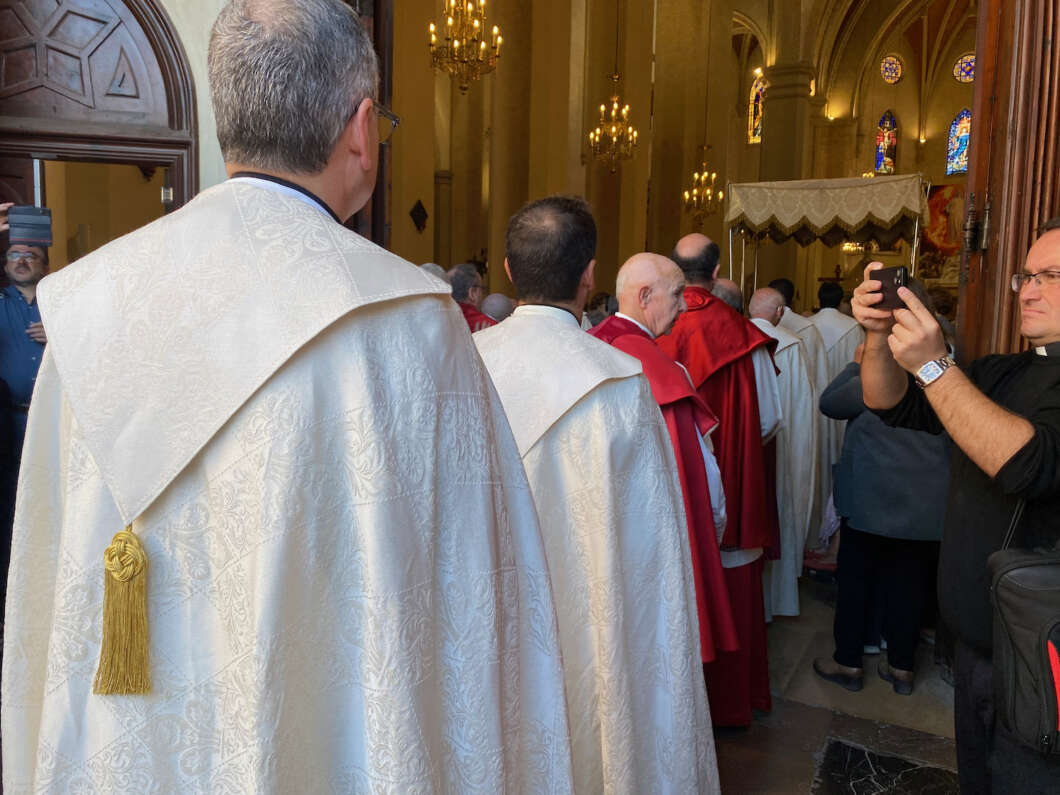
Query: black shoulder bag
[{"x": 1025, "y": 591}]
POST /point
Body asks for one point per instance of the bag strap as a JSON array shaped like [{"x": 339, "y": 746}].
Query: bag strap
[{"x": 1016, "y": 516}]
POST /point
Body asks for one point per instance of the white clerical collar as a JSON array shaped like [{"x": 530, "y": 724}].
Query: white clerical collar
[
  {"x": 287, "y": 191},
  {"x": 543, "y": 310},
  {"x": 636, "y": 323}
]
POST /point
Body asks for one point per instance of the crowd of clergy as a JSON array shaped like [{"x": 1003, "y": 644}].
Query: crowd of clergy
[{"x": 738, "y": 393}]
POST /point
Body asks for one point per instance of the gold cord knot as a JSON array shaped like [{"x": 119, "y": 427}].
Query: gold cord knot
[{"x": 125, "y": 557}]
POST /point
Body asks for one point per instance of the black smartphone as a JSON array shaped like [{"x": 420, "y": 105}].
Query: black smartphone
[
  {"x": 31, "y": 226},
  {"x": 892, "y": 279}
]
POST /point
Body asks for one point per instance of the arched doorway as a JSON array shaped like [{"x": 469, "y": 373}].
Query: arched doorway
[{"x": 94, "y": 82}]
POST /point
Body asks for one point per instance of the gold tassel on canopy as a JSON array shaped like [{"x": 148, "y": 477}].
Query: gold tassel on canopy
[{"x": 123, "y": 655}]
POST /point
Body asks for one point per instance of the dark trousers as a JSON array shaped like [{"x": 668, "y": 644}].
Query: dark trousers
[
  {"x": 989, "y": 760},
  {"x": 898, "y": 567}
]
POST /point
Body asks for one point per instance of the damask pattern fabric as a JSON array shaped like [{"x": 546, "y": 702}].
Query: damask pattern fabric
[
  {"x": 796, "y": 476},
  {"x": 347, "y": 589},
  {"x": 828, "y": 430},
  {"x": 602, "y": 470}
]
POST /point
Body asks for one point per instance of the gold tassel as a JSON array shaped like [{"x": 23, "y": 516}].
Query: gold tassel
[{"x": 123, "y": 664}]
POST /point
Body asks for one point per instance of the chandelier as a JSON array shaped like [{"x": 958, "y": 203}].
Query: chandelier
[
  {"x": 614, "y": 138},
  {"x": 703, "y": 199},
  {"x": 464, "y": 51}
]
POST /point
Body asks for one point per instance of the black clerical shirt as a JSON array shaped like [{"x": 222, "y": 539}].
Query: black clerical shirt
[{"x": 979, "y": 508}]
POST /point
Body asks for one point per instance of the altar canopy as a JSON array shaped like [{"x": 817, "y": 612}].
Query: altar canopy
[{"x": 884, "y": 209}]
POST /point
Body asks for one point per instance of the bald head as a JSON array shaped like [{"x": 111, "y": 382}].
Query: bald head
[
  {"x": 729, "y": 292},
  {"x": 767, "y": 304},
  {"x": 498, "y": 306},
  {"x": 697, "y": 256},
  {"x": 651, "y": 291}
]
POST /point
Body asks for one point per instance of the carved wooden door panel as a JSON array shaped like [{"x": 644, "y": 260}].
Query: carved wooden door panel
[{"x": 78, "y": 60}]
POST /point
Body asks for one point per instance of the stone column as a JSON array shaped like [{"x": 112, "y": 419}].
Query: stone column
[{"x": 785, "y": 155}]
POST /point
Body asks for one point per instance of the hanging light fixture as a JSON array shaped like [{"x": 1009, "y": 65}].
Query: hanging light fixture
[
  {"x": 465, "y": 50},
  {"x": 703, "y": 199},
  {"x": 614, "y": 138}
]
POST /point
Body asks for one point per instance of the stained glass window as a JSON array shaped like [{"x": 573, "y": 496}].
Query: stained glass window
[
  {"x": 755, "y": 109},
  {"x": 964, "y": 68},
  {"x": 957, "y": 151},
  {"x": 891, "y": 69},
  {"x": 886, "y": 144}
]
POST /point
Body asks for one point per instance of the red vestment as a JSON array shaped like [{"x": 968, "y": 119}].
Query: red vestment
[
  {"x": 715, "y": 343},
  {"x": 685, "y": 414},
  {"x": 476, "y": 321}
]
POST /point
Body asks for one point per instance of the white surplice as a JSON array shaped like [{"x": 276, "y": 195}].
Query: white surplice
[
  {"x": 817, "y": 364},
  {"x": 841, "y": 336},
  {"x": 347, "y": 587},
  {"x": 602, "y": 469},
  {"x": 796, "y": 471}
]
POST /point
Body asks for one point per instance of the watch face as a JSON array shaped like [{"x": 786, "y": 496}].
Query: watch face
[{"x": 930, "y": 371}]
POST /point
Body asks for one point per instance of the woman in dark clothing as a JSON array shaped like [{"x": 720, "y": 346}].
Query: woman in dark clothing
[{"x": 885, "y": 489}]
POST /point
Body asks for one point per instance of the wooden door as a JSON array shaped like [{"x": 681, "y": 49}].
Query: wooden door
[
  {"x": 1013, "y": 185},
  {"x": 16, "y": 185}
]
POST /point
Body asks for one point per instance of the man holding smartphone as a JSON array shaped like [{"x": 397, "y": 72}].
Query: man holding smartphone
[{"x": 1003, "y": 415}]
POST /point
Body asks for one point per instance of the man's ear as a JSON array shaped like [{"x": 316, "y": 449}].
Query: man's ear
[
  {"x": 644, "y": 296},
  {"x": 714, "y": 275},
  {"x": 588, "y": 280},
  {"x": 508, "y": 270},
  {"x": 358, "y": 133}
]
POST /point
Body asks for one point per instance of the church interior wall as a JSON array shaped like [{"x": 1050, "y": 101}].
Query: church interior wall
[
  {"x": 473, "y": 158},
  {"x": 192, "y": 20}
]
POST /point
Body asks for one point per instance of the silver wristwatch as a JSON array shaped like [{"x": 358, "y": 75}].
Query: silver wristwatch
[{"x": 932, "y": 371}]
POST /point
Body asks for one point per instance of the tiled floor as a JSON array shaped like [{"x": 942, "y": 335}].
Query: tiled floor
[{"x": 783, "y": 751}]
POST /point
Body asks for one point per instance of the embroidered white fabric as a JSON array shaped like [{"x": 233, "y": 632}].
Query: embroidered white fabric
[
  {"x": 817, "y": 364},
  {"x": 796, "y": 482},
  {"x": 347, "y": 588},
  {"x": 602, "y": 470}
]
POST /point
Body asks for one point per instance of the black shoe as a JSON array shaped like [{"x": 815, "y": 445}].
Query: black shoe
[
  {"x": 852, "y": 679},
  {"x": 901, "y": 681}
]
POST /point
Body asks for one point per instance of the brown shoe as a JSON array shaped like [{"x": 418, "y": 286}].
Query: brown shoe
[
  {"x": 901, "y": 681},
  {"x": 852, "y": 679}
]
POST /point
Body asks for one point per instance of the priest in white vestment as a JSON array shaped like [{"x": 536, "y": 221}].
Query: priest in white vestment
[
  {"x": 345, "y": 585},
  {"x": 817, "y": 362},
  {"x": 841, "y": 335},
  {"x": 796, "y": 452},
  {"x": 603, "y": 474}
]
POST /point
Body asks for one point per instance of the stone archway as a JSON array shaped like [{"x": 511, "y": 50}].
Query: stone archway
[{"x": 96, "y": 80}]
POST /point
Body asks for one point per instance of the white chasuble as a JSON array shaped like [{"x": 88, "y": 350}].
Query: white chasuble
[
  {"x": 796, "y": 471},
  {"x": 602, "y": 469},
  {"x": 817, "y": 365},
  {"x": 347, "y": 588},
  {"x": 841, "y": 336}
]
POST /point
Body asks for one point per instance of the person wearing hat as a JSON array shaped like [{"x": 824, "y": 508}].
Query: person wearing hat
[{"x": 22, "y": 336}]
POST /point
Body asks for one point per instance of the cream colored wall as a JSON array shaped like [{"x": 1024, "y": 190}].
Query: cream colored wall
[{"x": 192, "y": 20}]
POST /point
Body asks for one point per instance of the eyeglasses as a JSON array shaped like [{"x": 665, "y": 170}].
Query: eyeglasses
[
  {"x": 1041, "y": 278},
  {"x": 388, "y": 122},
  {"x": 25, "y": 256},
  {"x": 384, "y": 117}
]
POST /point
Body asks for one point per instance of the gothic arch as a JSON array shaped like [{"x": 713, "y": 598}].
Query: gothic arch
[{"x": 102, "y": 80}]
